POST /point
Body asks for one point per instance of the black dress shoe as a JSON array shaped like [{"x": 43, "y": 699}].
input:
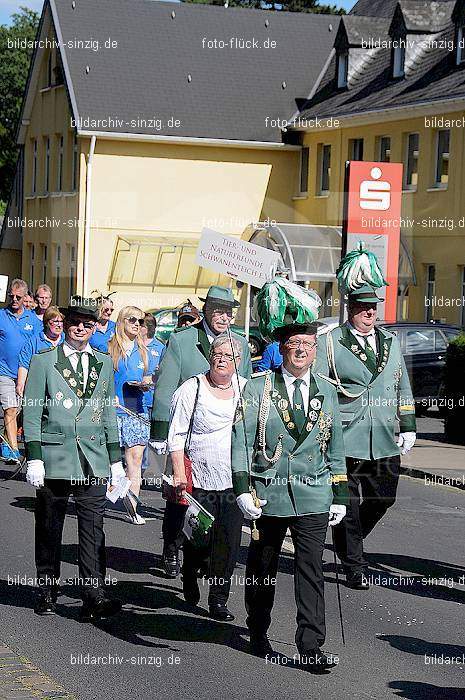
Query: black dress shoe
[
  {"x": 220, "y": 612},
  {"x": 316, "y": 661},
  {"x": 357, "y": 580},
  {"x": 171, "y": 565},
  {"x": 45, "y": 603},
  {"x": 190, "y": 588},
  {"x": 94, "y": 609},
  {"x": 260, "y": 646}
]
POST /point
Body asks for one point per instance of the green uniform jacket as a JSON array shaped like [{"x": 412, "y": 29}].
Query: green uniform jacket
[
  {"x": 57, "y": 421},
  {"x": 186, "y": 355},
  {"x": 369, "y": 421},
  {"x": 310, "y": 474}
]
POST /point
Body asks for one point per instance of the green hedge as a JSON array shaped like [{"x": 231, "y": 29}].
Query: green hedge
[{"x": 454, "y": 388}]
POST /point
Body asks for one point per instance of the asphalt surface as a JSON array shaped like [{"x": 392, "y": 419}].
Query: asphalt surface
[{"x": 397, "y": 633}]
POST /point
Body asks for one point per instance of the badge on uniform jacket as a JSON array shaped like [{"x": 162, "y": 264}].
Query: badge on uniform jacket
[{"x": 315, "y": 404}]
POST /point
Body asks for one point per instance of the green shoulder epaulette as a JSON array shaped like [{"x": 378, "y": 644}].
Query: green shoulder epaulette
[
  {"x": 261, "y": 374},
  {"x": 47, "y": 350},
  {"x": 102, "y": 352}
]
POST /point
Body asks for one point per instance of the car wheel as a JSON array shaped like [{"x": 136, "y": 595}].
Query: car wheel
[{"x": 254, "y": 347}]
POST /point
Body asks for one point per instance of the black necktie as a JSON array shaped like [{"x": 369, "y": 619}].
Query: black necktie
[
  {"x": 298, "y": 405},
  {"x": 80, "y": 372}
]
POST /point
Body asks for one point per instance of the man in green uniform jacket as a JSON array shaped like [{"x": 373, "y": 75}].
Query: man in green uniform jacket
[
  {"x": 287, "y": 441},
  {"x": 187, "y": 355},
  {"x": 366, "y": 366},
  {"x": 71, "y": 440}
]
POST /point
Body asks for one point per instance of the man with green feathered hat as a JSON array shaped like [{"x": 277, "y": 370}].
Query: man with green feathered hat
[
  {"x": 289, "y": 470},
  {"x": 365, "y": 364}
]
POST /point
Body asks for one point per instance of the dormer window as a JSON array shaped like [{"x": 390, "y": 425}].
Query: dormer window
[
  {"x": 398, "y": 59},
  {"x": 342, "y": 69}
]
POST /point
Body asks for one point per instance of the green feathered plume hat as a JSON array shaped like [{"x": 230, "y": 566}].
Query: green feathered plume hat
[
  {"x": 282, "y": 308},
  {"x": 358, "y": 272}
]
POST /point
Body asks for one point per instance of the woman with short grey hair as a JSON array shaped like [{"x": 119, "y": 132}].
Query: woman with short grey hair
[{"x": 201, "y": 418}]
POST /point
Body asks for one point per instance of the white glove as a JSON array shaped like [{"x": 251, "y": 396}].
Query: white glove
[
  {"x": 160, "y": 446},
  {"x": 406, "y": 441},
  {"x": 247, "y": 506},
  {"x": 336, "y": 513},
  {"x": 117, "y": 472},
  {"x": 35, "y": 472}
]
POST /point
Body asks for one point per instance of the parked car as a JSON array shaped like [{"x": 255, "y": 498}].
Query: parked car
[
  {"x": 167, "y": 320},
  {"x": 424, "y": 348}
]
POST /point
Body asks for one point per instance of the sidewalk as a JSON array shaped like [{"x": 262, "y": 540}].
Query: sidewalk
[
  {"x": 439, "y": 462},
  {"x": 20, "y": 680}
]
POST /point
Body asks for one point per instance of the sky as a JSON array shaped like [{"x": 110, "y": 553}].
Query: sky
[{"x": 8, "y": 7}]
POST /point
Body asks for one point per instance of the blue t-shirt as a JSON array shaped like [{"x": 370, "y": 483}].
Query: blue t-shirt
[
  {"x": 130, "y": 369},
  {"x": 33, "y": 346},
  {"x": 99, "y": 340},
  {"x": 14, "y": 331},
  {"x": 155, "y": 350},
  {"x": 271, "y": 358}
]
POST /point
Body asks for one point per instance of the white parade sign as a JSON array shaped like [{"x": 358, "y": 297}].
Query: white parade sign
[{"x": 239, "y": 259}]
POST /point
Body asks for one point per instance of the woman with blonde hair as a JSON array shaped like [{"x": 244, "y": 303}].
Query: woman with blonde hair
[
  {"x": 105, "y": 327},
  {"x": 130, "y": 362}
]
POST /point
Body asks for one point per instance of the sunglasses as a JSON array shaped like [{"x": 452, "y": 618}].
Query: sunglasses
[
  {"x": 57, "y": 322},
  {"x": 88, "y": 325},
  {"x": 134, "y": 319},
  {"x": 17, "y": 297}
]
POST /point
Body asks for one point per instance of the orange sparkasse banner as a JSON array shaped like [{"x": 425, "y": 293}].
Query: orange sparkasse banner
[{"x": 373, "y": 211}]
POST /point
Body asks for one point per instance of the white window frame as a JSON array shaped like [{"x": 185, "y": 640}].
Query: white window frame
[
  {"x": 57, "y": 272},
  {"x": 415, "y": 156},
  {"x": 388, "y": 151},
  {"x": 430, "y": 291},
  {"x": 61, "y": 141},
  {"x": 354, "y": 145},
  {"x": 74, "y": 174},
  {"x": 32, "y": 255},
  {"x": 34, "y": 167},
  {"x": 322, "y": 147},
  {"x": 444, "y": 156},
  {"x": 460, "y": 48},
  {"x": 342, "y": 69},
  {"x": 398, "y": 61},
  {"x": 47, "y": 165},
  {"x": 304, "y": 169},
  {"x": 44, "y": 263},
  {"x": 72, "y": 271},
  {"x": 462, "y": 306}
]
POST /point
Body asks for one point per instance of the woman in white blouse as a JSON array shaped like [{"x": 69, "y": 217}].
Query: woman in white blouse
[{"x": 209, "y": 449}]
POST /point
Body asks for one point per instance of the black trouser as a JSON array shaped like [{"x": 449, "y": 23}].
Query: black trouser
[
  {"x": 377, "y": 481},
  {"x": 308, "y": 535},
  {"x": 50, "y": 512},
  {"x": 173, "y": 521},
  {"x": 219, "y": 555}
]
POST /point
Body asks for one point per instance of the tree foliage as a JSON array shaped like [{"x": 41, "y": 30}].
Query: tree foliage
[
  {"x": 286, "y": 5},
  {"x": 14, "y": 68}
]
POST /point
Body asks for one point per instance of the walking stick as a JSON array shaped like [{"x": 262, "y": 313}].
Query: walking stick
[
  {"x": 253, "y": 525},
  {"x": 338, "y": 589}
]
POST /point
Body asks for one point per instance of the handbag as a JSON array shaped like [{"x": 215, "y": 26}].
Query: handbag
[{"x": 170, "y": 493}]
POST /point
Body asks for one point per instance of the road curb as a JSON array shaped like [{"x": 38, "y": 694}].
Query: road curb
[
  {"x": 421, "y": 474},
  {"x": 21, "y": 680}
]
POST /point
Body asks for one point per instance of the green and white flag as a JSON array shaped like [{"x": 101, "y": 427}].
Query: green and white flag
[{"x": 197, "y": 521}]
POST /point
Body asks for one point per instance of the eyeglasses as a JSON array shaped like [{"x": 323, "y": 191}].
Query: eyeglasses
[
  {"x": 220, "y": 312},
  {"x": 88, "y": 325},
  {"x": 225, "y": 355},
  {"x": 295, "y": 344},
  {"x": 17, "y": 297},
  {"x": 134, "y": 319},
  {"x": 57, "y": 322}
]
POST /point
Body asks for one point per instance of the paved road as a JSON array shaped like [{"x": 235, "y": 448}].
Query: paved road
[{"x": 156, "y": 648}]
